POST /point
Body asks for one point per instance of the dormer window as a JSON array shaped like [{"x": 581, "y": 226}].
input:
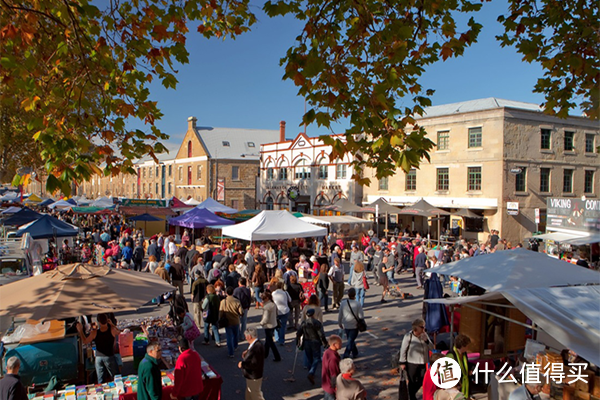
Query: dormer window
[
  {"x": 251, "y": 144},
  {"x": 226, "y": 144}
]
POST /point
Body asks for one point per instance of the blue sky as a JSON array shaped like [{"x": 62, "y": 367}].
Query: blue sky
[{"x": 238, "y": 83}]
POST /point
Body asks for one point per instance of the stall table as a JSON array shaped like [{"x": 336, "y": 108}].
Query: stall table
[{"x": 211, "y": 391}]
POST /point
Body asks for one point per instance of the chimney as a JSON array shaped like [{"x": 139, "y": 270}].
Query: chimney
[
  {"x": 192, "y": 123},
  {"x": 282, "y": 131}
]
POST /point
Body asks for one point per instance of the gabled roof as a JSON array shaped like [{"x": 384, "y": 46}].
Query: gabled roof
[
  {"x": 235, "y": 143},
  {"x": 489, "y": 103}
]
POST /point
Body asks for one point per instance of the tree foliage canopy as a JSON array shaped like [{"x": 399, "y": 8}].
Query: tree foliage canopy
[{"x": 79, "y": 73}]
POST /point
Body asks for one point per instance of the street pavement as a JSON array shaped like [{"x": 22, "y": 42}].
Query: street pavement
[{"x": 387, "y": 323}]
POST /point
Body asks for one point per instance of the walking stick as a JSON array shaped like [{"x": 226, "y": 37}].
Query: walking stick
[{"x": 291, "y": 378}]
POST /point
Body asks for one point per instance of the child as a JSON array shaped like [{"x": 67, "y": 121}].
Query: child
[{"x": 188, "y": 326}]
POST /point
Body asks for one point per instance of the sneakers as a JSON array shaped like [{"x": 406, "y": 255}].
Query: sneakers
[{"x": 383, "y": 301}]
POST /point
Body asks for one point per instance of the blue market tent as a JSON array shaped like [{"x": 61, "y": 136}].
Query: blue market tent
[
  {"x": 214, "y": 206},
  {"x": 11, "y": 210},
  {"x": 145, "y": 217},
  {"x": 47, "y": 227},
  {"x": 199, "y": 218},
  {"x": 46, "y": 203},
  {"x": 22, "y": 217}
]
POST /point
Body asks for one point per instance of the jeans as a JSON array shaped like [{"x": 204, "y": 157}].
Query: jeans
[
  {"x": 312, "y": 350},
  {"x": 270, "y": 344},
  {"x": 243, "y": 321},
  {"x": 324, "y": 299},
  {"x": 390, "y": 276},
  {"x": 207, "y": 267},
  {"x": 106, "y": 365},
  {"x": 328, "y": 396},
  {"x": 419, "y": 275},
  {"x": 360, "y": 296},
  {"x": 215, "y": 331},
  {"x": 280, "y": 333},
  {"x": 231, "y": 333},
  {"x": 351, "y": 334},
  {"x": 256, "y": 291},
  {"x": 351, "y": 273}
]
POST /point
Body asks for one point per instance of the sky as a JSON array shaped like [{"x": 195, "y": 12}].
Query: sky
[{"x": 238, "y": 83}]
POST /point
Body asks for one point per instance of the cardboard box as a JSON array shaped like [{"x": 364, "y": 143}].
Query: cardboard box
[{"x": 579, "y": 395}]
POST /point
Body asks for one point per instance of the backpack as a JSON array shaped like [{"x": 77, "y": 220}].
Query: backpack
[{"x": 138, "y": 254}]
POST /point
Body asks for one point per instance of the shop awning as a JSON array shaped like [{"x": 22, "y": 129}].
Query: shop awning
[
  {"x": 558, "y": 236},
  {"x": 583, "y": 240}
]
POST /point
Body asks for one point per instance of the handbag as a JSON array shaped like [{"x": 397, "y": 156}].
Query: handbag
[
  {"x": 192, "y": 332},
  {"x": 365, "y": 282},
  {"x": 403, "y": 387},
  {"x": 361, "y": 324},
  {"x": 223, "y": 321}
]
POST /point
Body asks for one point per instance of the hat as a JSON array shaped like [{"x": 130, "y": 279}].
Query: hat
[
  {"x": 313, "y": 258},
  {"x": 310, "y": 312}
]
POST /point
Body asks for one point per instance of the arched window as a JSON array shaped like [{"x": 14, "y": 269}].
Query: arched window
[
  {"x": 269, "y": 203},
  {"x": 323, "y": 168},
  {"x": 283, "y": 171},
  {"x": 302, "y": 169},
  {"x": 190, "y": 149},
  {"x": 270, "y": 172},
  {"x": 189, "y": 179}
]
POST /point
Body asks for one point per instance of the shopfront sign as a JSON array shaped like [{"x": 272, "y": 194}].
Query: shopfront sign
[
  {"x": 143, "y": 203},
  {"x": 512, "y": 207},
  {"x": 576, "y": 214},
  {"x": 516, "y": 171},
  {"x": 293, "y": 192}
]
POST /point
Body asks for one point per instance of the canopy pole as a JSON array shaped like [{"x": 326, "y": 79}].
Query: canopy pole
[
  {"x": 439, "y": 230},
  {"x": 451, "y": 327},
  {"x": 502, "y": 317}
]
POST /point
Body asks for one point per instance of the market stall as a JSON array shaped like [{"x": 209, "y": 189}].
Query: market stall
[{"x": 273, "y": 225}]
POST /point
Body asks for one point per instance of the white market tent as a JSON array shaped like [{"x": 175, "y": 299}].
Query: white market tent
[
  {"x": 517, "y": 269},
  {"x": 102, "y": 202},
  {"x": 570, "y": 315},
  {"x": 192, "y": 202},
  {"x": 62, "y": 205},
  {"x": 273, "y": 225}
]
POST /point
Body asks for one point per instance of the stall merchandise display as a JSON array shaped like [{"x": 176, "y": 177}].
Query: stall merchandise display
[{"x": 565, "y": 383}]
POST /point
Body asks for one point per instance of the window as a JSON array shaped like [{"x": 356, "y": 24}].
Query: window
[
  {"x": 544, "y": 180},
  {"x": 521, "y": 180},
  {"x": 235, "y": 173},
  {"x": 144, "y": 172},
  {"x": 190, "y": 149},
  {"x": 269, "y": 203},
  {"x": 270, "y": 174},
  {"x": 251, "y": 144},
  {"x": 170, "y": 187},
  {"x": 443, "y": 140},
  {"x": 568, "y": 181},
  {"x": 411, "y": 180},
  {"x": 199, "y": 172},
  {"x": 474, "y": 179},
  {"x": 144, "y": 189},
  {"x": 340, "y": 171},
  {"x": 568, "y": 141},
  {"x": 235, "y": 204},
  {"x": 474, "y": 137},
  {"x": 588, "y": 183},
  {"x": 323, "y": 172},
  {"x": 443, "y": 179},
  {"x": 226, "y": 143},
  {"x": 170, "y": 171},
  {"x": 133, "y": 188},
  {"x": 384, "y": 183},
  {"x": 150, "y": 172},
  {"x": 302, "y": 170},
  {"x": 180, "y": 172},
  {"x": 546, "y": 136},
  {"x": 283, "y": 173},
  {"x": 589, "y": 143},
  {"x": 189, "y": 180},
  {"x": 156, "y": 189}
]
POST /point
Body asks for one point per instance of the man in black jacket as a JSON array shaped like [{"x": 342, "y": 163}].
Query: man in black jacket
[
  {"x": 177, "y": 273},
  {"x": 312, "y": 336},
  {"x": 11, "y": 387},
  {"x": 252, "y": 365},
  {"x": 243, "y": 294}
]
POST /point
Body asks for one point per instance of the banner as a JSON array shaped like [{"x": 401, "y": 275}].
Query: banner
[
  {"x": 144, "y": 203},
  {"x": 221, "y": 189},
  {"x": 576, "y": 214}
]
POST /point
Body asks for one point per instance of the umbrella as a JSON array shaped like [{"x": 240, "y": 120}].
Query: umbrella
[
  {"x": 516, "y": 269},
  {"x": 79, "y": 289},
  {"x": 145, "y": 217},
  {"x": 435, "y": 314},
  {"x": 384, "y": 207},
  {"x": 345, "y": 206},
  {"x": 423, "y": 209},
  {"x": 466, "y": 213}
]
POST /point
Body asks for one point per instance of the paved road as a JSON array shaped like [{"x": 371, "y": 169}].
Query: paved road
[{"x": 387, "y": 323}]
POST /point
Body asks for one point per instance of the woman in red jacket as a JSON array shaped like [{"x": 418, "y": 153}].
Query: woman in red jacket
[{"x": 188, "y": 373}]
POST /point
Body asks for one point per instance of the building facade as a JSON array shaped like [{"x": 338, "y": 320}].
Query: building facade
[
  {"x": 500, "y": 159},
  {"x": 222, "y": 163},
  {"x": 298, "y": 175}
]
